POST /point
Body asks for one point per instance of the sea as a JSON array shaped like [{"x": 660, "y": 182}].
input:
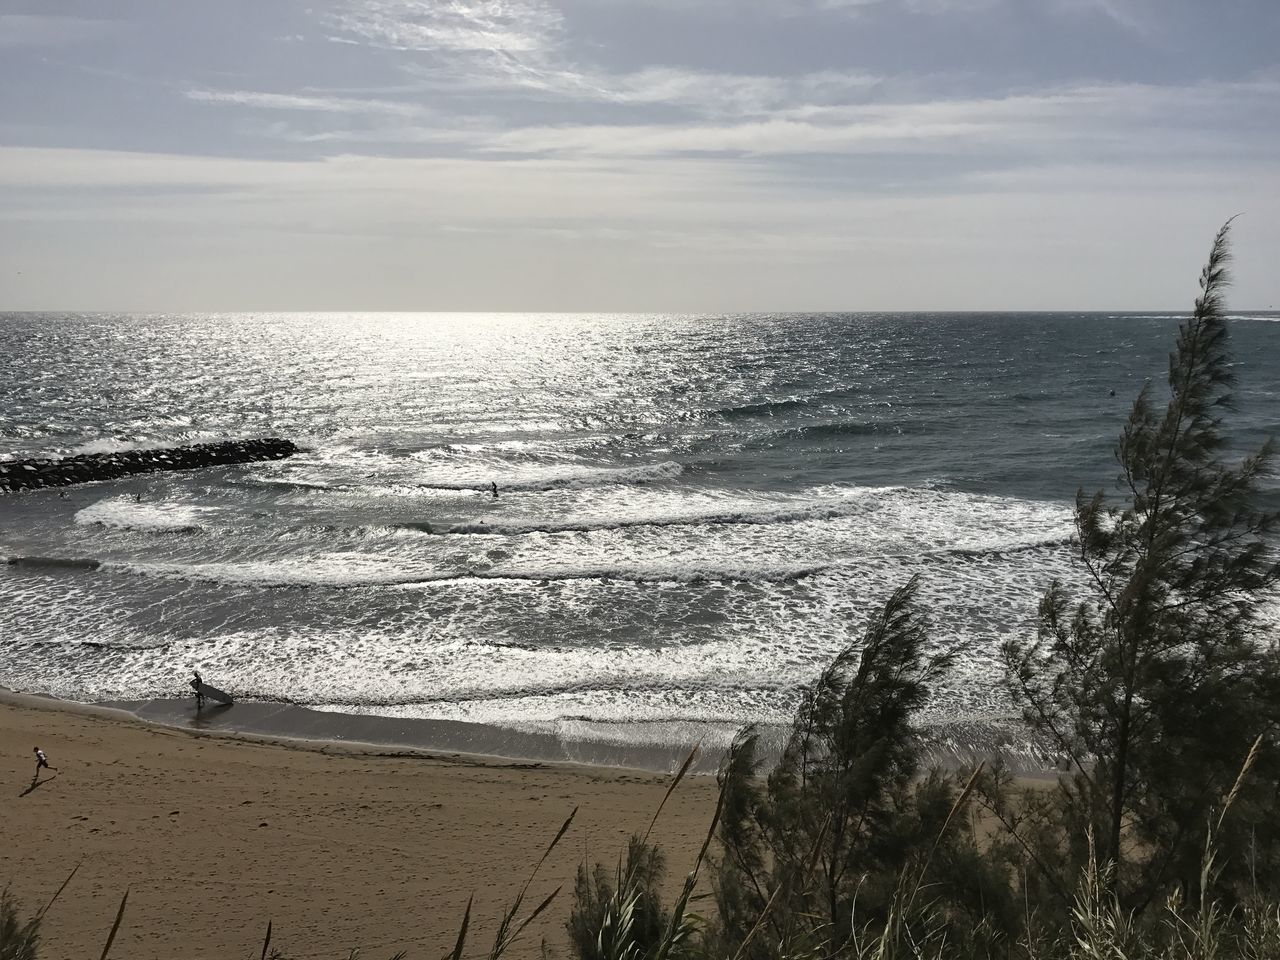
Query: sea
[{"x": 692, "y": 516}]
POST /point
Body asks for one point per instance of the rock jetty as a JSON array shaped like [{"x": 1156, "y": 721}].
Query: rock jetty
[{"x": 61, "y": 472}]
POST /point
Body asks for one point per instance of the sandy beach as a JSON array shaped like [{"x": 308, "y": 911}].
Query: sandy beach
[{"x": 338, "y": 846}]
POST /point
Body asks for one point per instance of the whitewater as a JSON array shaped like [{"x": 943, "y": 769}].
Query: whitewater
[{"x": 692, "y": 513}]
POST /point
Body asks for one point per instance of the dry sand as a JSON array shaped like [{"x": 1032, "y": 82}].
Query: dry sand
[{"x": 213, "y": 836}]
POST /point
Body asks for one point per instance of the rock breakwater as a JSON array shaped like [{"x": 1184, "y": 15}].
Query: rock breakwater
[{"x": 18, "y": 475}]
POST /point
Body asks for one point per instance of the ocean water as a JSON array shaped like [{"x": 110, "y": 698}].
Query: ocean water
[{"x": 694, "y": 513}]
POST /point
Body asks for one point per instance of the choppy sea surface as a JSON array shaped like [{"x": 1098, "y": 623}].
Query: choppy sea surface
[{"x": 693, "y": 513}]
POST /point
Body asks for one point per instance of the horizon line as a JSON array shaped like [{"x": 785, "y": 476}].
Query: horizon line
[{"x": 294, "y": 311}]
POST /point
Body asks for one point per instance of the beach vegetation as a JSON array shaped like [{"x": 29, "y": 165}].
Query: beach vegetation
[
  {"x": 19, "y": 939},
  {"x": 620, "y": 915},
  {"x": 847, "y": 829},
  {"x": 1153, "y": 687}
]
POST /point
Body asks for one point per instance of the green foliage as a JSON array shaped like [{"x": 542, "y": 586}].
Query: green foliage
[
  {"x": 828, "y": 839},
  {"x": 623, "y": 917},
  {"x": 1152, "y": 687},
  {"x": 625, "y": 920},
  {"x": 19, "y": 939}
]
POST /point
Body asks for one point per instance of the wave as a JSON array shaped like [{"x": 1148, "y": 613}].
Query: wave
[
  {"x": 315, "y": 574},
  {"x": 264, "y": 576},
  {"x": 766, "y": 408},
  {"x": 286, "y": 483},
  {"x": 472, "y": 479},
  {"x": 123, "y": 513},
  {"x": 772, "y": 408},
  {"x": 627, "y": 684},
  {"x": 996, "y": 552},
  {"x": 53, "y": 563},
  {"x": 562, "y": 479},
  {"x": 105, "y": 645},
  {"x": 107, "y": 445},
  {"x": 848, "y": 428},
  {"x": 764, "y": 516}
]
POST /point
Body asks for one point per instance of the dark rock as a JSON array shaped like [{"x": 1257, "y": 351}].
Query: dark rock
[{"x": 29, "y": 474}]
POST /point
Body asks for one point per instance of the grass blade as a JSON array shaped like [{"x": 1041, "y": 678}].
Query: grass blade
[
  {"x": 670, "y": 936},
  {"x": 684, "y": 768},
  {"x": 564, "y": 828},
  {"x": 54, "y": 898},
  {"x": 746, "y": 941},
  {"x": 1240, "y": 778},
  {"x": 532, "y": 916},
  {"x": 961, "y": 799},
  {"x": 267, "y": 942},
  {"x": 502, "y": 939},
  {"x": 462, "y": 934},
  {"x": 111, "y": 937}
]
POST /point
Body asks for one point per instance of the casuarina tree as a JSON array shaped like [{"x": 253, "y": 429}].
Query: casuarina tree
[
  {"x": 845, "y": 838},
  {"x": 1153, "y": 685}
]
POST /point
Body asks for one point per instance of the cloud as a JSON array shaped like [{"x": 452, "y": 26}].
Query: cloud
[
  {"x": 703, "y": 92},
  {"x": 1039, "y": 126},
  {"x": 790, "y": 9},
  {"x": 767, "y": 137},
  {"x": 495, "y": 26},
  {"x": 517, "y": 46},
  {"x": 282, "y": 101}
]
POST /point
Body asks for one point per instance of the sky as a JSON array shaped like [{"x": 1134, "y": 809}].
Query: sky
[{"x": 635, "y": 155}]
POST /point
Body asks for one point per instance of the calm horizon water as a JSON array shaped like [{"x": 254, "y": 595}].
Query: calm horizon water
[{"x": 693, "y": 513}]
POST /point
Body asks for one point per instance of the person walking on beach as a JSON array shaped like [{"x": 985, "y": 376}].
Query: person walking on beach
[
  {"x": 42, "y": 762},
  {"x": 494, "y": 486},
  {"x": 196, "y": 684}
]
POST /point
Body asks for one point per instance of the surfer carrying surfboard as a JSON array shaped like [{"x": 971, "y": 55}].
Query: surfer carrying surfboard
[{"x": 205, "y": 692}]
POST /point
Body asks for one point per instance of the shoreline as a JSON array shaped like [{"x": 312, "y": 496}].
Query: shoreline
[
  {"x": 948, "y": 745},
  {"x": 339, "y": 846},
  {"x": 293, "y": 727}
]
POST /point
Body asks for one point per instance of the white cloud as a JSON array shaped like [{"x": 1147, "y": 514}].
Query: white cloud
[
  {"x": 479, "y": 132},
  {"x": 702, "y": 92},
  {"x": 496, "y": 26},
  {"x": 517, "y": 46},
  {"x": 771, "y": 137},
  {"x": 1074, "y": 122},
  {"x": 282, "y": 101}
]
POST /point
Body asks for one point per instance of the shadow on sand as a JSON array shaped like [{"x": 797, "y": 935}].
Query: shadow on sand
[{"x": 37, "y": 782}]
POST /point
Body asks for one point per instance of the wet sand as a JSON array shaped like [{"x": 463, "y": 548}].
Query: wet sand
[{"x": 340, "y": 845}]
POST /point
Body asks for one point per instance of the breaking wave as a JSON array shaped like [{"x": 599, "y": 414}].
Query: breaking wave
[
  {"x": 840, "y": 429},
  {"x": 369, "y": 572},
  {"x": 778, "y": 514},
  {"x": 53, "y": 563},
  {"x": 561, "y": 478},
  {"x": 123, "y": 513}
]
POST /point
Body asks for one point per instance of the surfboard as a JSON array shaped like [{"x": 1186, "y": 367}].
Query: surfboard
[{"x": 213, "y": 693}]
